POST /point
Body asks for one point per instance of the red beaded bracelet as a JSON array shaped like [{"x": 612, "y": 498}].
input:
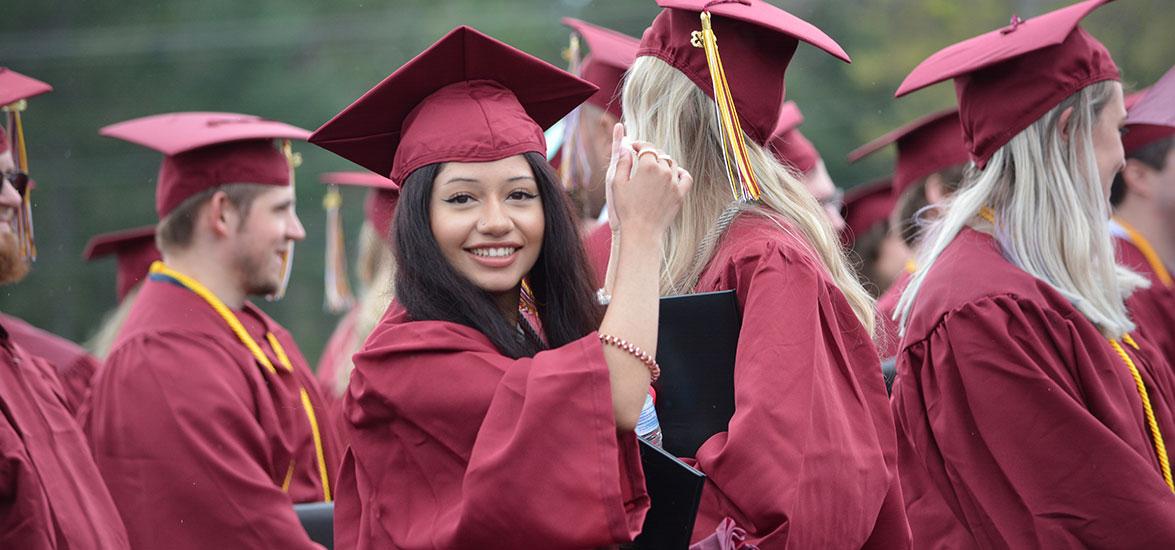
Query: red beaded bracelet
[{"x": 654, "y": 368}]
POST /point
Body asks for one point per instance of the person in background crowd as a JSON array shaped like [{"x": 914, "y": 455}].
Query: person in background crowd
[
  {"x": 809, "y": 460},
  {"x": 205, "y": 419},
  {"x": 376, "y": 271},
  {"x": 52, "y": 494},
  {"x": 468, "y": 429},
  {"x": 1143, "y": 196},
  {"x": 928, "y": 169},
  {"x": 134, "y": 251},
  {"x": 794, "y": 150},
  {"x": 879, "y": 253},
  {"x": 1030, "y": 413}
]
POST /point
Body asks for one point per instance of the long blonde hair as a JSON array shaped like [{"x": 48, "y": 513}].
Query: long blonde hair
[
  {"x": 1050, "y": 212},
  {"x": 665, "y": 108}
]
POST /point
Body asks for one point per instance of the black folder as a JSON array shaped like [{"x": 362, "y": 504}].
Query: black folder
[
  {"x": 696, "y": 345},
  {"x": 318, "y": 519},
  {"x": 675, "y": 489}
]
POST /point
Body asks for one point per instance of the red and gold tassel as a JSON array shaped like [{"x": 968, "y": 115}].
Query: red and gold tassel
[
  {"x": 743, "y": 184},
  {"x": 25, "y": 234},
  {"x": 338, "y": 296}
]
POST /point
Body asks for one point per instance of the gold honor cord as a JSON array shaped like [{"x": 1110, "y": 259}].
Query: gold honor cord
[
  {"x": 25, "y": 234},
  {"x": 1148, "y": 252},
  {"x": 294, "y": 160},
  {"x": 159, "y": 268},
  {"x": 743, "y": 183},
  {"x": 1156, "y": 434},
  {"x": 1149, "y": 411},
  {"x": 337, "y": 297}
]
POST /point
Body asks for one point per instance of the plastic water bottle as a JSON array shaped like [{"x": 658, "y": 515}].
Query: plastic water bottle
[{"x": 648, "y": 427}]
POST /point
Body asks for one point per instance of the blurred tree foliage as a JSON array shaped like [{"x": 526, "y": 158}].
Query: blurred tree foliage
[{"x": 301, "y": 61}]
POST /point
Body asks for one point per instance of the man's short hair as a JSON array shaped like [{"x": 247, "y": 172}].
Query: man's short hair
[
  {"x": 175, "y": 230},
  {"x": 1152, "y": 154}
]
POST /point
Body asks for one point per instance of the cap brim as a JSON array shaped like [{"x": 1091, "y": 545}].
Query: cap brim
[
  {"x": 110, "y": 243},
  {"x": 790, "y": 118},
  {"x": 358, "y": 179},
  {"x": 606, "y": 46},
  {"x": 15, "y": 86},
  {"x": 895, "y": 135},
  {"x": 767, "y": 16},
  {"x": 175, "y": 133},
  {"x": 1157, "y": 106}
]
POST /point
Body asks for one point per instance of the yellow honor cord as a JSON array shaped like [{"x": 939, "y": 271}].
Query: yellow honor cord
[
  {"x": 1152, "y": 423},
  {"x": 245, "y": 338},
  {"x": 1148, "y": 252},
  {"x": 987, "y": 214},
  {"x": 743, "y": 183}
]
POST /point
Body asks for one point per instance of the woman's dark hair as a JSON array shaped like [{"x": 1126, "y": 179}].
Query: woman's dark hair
[{"x": 430, "y": 289}]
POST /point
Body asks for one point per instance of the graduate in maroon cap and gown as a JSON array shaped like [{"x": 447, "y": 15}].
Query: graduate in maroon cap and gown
[
  {"x": 134, "y": 251},
  {"x": 51, "y": 495},
  {"x": 1030, "y": 412},
  {"x": 375, "y": 266},
  {"x": 1143, "y": 196},
  {"x": 205, "y": 420},
  {"x": 809, "y": 459},
  {"x": 795, "y": 150},
  {"x": 468, "y": 429},
  {"x": 928, "y": 168}
]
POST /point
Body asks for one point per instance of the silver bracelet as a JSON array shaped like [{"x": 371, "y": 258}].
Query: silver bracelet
[{"x": 603, "y": 297}]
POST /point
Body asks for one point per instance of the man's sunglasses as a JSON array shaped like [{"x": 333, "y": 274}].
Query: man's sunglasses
[{"x": 19, "y": 181}]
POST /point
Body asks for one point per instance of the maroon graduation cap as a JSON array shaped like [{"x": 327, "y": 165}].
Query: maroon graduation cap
[
  {"x": 205, "y": 150},
  {"x": 788, "y": 144},
  {"x": 866, "y": 206},
  {"x": 467, "y": 98},
  {"x": 925, "y": 146},
  {"x": 612, "y": 53},
  {"x": 1152, "y": 116},
  {"x": 134, "y": 250},
  {"x": 1010, "y": 77}
]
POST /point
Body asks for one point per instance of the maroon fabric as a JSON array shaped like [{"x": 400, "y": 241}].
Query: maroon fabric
[
  {"x": 194, "y": 437},
  {"x": 810, "y": 459},
  {"x": 1152, "y": 309},
  {"x": 380, "y": 204},
  {"x": 788, "y": 144},
  {"x": 1018, "y": 424},
  {"x": 455, "y": 446},
  {"x": 335, "y": 355},
  {"x": 1008, "y": 78},
  {"x": 51, "y": 495},
  {"x": 501, "y": 99},
  {"x": 203, "y": 150},
  {"x": 135, "y": 252},
  {"x": 75, "y": 367},
  {"x": 599, "y": 248},
  {"x": 887, "y": 305},
  {"x": 927, "y": 145},
  {"x": 756, "y": 41},
  {"x": 1150, "y": 116},
  {"x": 612, "y": 53},
  {"x": 15, "y": 86},
  {"x": 865, "y": 206}
]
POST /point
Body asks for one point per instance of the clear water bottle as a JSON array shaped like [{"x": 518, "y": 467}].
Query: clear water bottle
[{"x": 647, "y": 426}]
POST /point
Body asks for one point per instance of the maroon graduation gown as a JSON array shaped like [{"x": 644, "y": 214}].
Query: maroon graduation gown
[
  {"x": 334, "y": 358},
  {"x": 51, "y": 495},
  {"x": 196, "y": 438},
  {"x": 1152, "y": 309},
  {"x": 73, "y": 364},
  {"x": 598, "y": 244},
  {"x": 810, "y": 459},
  {"x": 1019, "y": 426},
  {"x": 454, "y": 445}
]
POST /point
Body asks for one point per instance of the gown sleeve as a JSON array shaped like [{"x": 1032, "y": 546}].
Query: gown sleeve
[
  {"x": 457, "y": 446},
  {"x": 183, "y": 452},
  {"x": 809, "y": 460},
  {"x": 1030, "y": 433}
]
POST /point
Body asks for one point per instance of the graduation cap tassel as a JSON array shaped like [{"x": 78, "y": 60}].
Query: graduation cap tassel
[
  {"x": 338, "y": 296},
  {"x": 25, "y": 235},
  {"x": 743, "y": 183},
  {"x": 572, "y": 169},
  {"x": 526, "y": 301},
  {"x": 294, "y": 160}
]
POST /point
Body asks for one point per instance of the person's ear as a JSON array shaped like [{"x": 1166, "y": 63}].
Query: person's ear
[
  {"x": 1139, "y": 179},
  {"x": 935, "y": 189},
  {"x": 221, "y": 215},
  {"x": 1063, "y": 123}
]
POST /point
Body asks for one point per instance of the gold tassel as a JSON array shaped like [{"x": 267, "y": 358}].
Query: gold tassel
[
  {"x": 294, "y": 160},
  {"x": 526, "y": 301},
  {"x": 24, "y": 229},
  {"x": 338, "y": 296},
  {"x": 743, "y": 184},
  {"x": 573, "y": 171}
]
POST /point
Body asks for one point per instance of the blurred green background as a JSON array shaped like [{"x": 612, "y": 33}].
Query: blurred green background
[{"x": 301, "y": 61}]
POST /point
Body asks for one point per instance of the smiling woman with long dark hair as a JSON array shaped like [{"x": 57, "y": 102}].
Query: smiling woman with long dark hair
[{"x": 469, "y": 428}]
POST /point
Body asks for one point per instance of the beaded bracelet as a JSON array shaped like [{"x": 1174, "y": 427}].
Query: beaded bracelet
[{"x": 654, "y": 368}]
